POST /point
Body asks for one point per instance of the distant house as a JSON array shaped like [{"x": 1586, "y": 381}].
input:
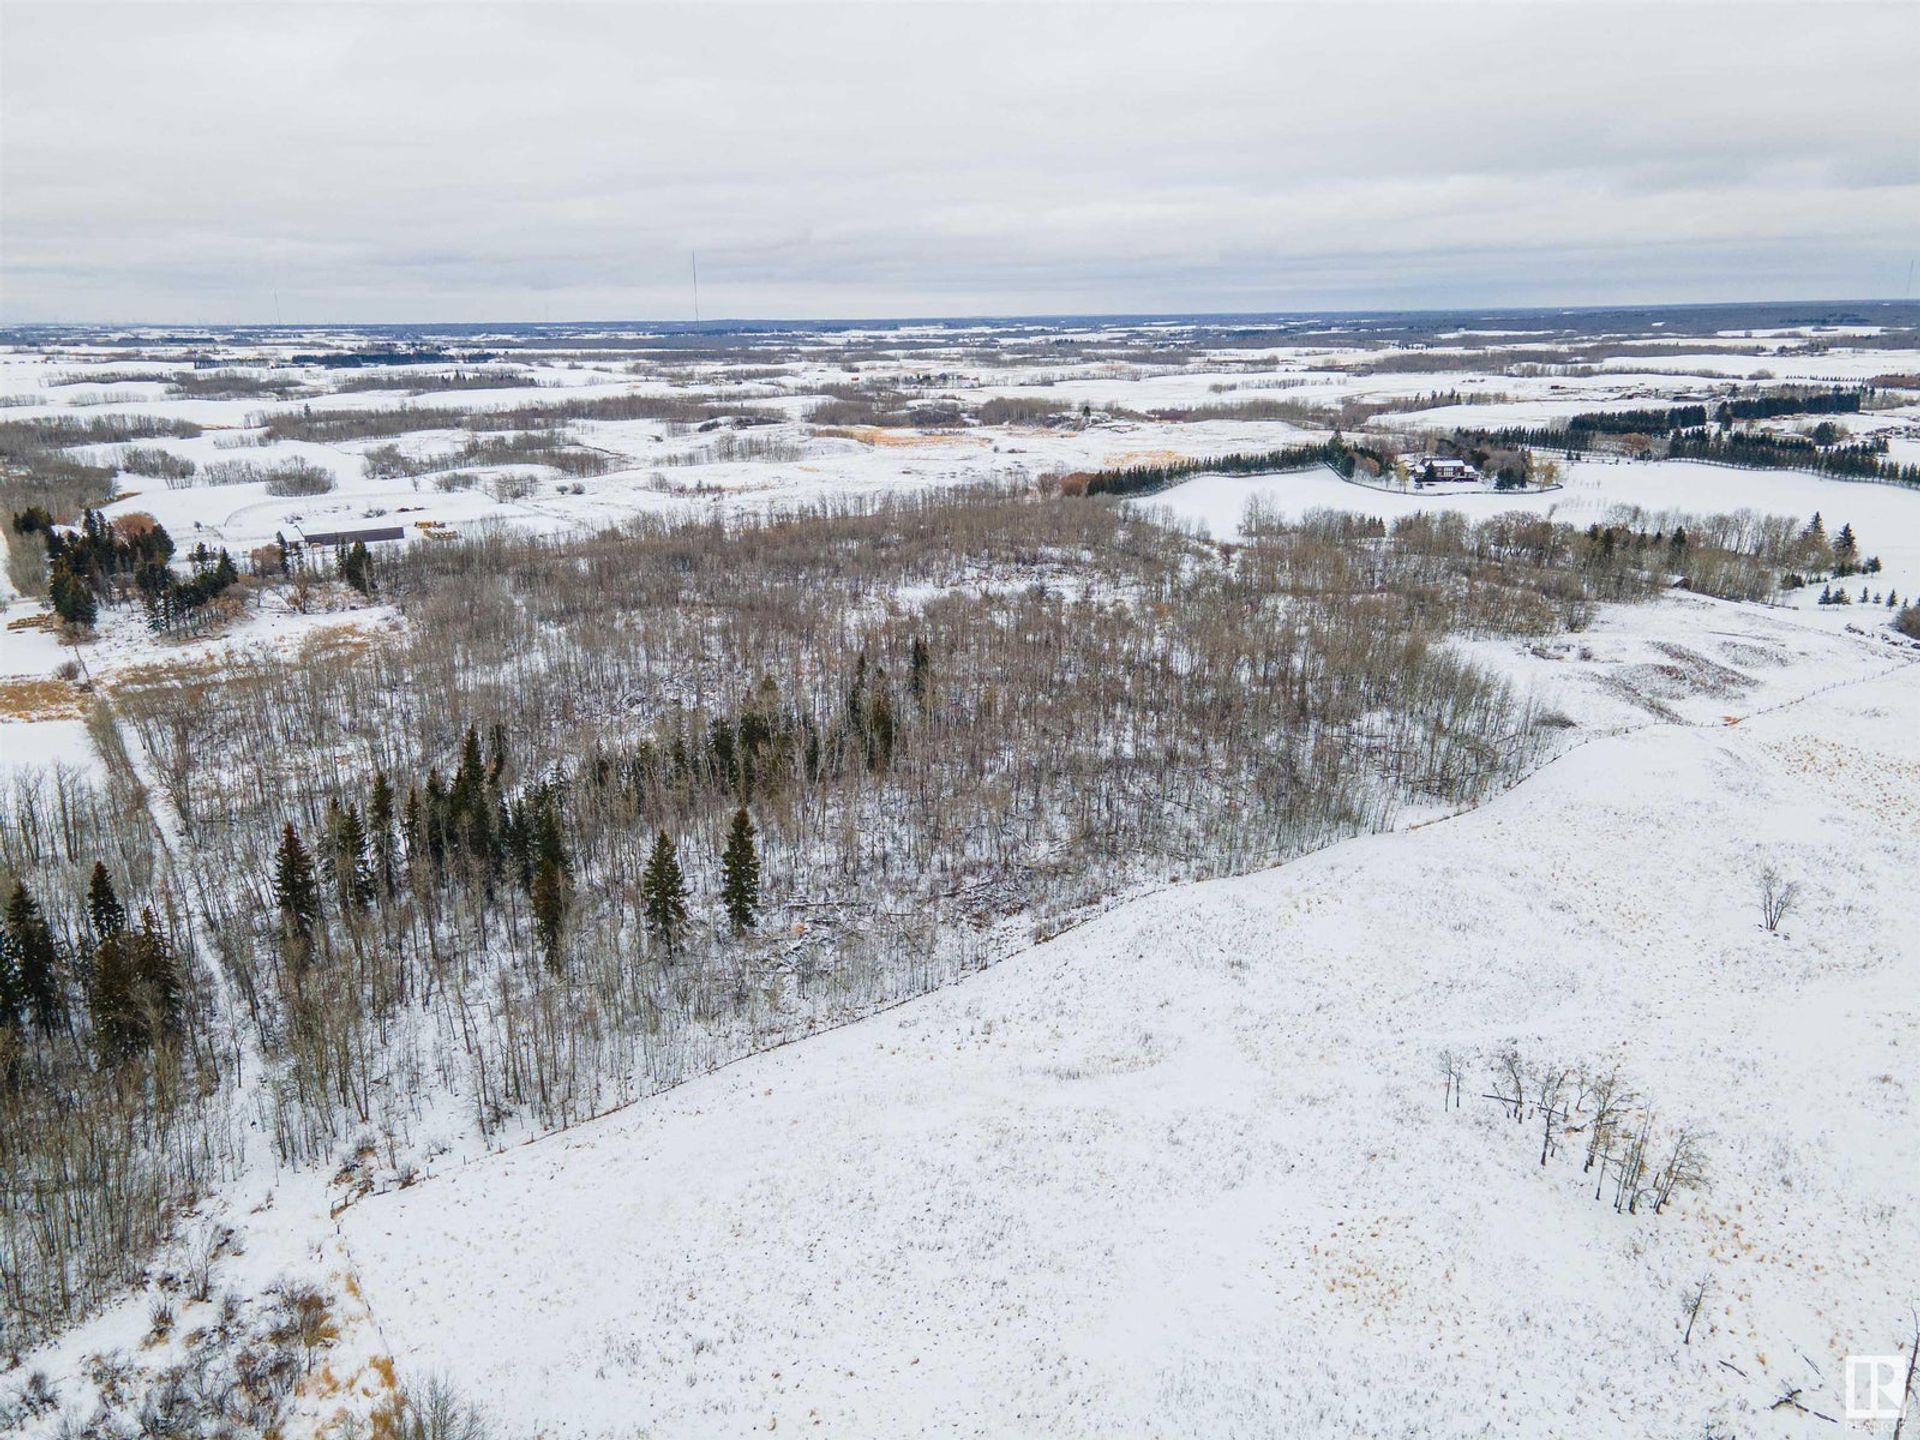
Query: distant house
[
  {"x": 1442, "y": 470},
  {"x": 347, "y": 537}
]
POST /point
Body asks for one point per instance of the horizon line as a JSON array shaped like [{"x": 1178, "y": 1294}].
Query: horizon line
[{"x": 846, "y": 321}]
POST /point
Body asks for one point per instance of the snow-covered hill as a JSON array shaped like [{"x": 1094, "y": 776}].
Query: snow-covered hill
[{"x": 1189, "y": 1170}]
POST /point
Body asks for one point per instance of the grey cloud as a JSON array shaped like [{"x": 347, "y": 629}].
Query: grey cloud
[{"x": 186, "y": 160}]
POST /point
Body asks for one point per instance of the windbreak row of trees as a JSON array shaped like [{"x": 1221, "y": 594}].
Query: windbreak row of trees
[
  {"x": 633, "y": 805},
  {"x": 1134, "y": 480},
  {"x": 1631, "y": 422},
  {"x": 336, "y": 425},
  {"x": 1862, "y": 461}
]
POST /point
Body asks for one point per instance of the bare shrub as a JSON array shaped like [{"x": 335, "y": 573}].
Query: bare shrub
[
  {"x": 1776, "y": 898},
  {"x": 301, "y": 1315}
]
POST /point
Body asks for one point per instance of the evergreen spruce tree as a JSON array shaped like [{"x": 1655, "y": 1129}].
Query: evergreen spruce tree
[
  {"x": 1846, "y": 550},
  {"x": 549, "y": 905},
  {"x": 104, "y": 911},
  {"x": 438, "y": 808},
  {"x": 380, "y": 831},
  {"x": 295, "y": 890},
  {"x": 356, "y": 567},
  {"x": 113, "y": 1002},
  {"x": 549, "y": 845},
  {"x": 36, "y": 959},
  {"x": 470, "y": 805},
  {"x": 71, "y": 597},
  {"x": 919, "y": 670},
  {"x": 347, "y": 859},
  {"x": 12, "y": 1002},
  {"x": 663, "y": 893},
  {"x": 413, "y": 827},
  {"x": 157, "y": 973},
  {"x": 740, "y": 874}
]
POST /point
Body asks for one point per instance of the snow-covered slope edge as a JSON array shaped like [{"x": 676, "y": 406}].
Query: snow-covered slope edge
[{"x": 1187, "y": 1170}]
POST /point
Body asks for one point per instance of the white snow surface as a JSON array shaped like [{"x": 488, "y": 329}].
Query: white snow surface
[{"x": 1187, "y": 1170}]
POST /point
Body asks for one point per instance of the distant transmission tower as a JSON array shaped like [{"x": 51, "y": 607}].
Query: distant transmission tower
[{"x": 696, "y": 287}]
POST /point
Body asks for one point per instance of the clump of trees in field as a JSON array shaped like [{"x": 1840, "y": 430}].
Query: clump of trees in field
[
  {"x": 1637, "y": 1163},
  {"x": 102, "y": 562}
]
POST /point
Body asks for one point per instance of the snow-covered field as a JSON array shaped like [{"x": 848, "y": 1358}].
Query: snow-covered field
[
  {"x": 1188, "y": 1170},
  {"x": 1887, "y": 517}
]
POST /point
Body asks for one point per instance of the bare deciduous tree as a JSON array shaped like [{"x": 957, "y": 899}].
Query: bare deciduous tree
[{"x": 1776, "y": 898}]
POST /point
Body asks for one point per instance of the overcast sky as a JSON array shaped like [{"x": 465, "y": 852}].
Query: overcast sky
[{"x": 448, "y": 161}]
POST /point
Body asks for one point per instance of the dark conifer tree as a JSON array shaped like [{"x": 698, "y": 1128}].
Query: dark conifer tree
[
  {"x": 438, "y": 808},
  {"x": 380, "y": 831},
  {"x": 356, "y": 567},
  {"x": 295, "y": 890},
  {"x": 663, "y": 893},
  {"x": 919, "y": 670},
  {"x": 1846, "y": 550},
  {"x": 71, "y": 597},
  {"x": 740, "y": 874},
  {"x": 162, "y": 994},
  {"x": 104, "y": 911},
  {"x": 12, "y": 1001},
  {"x": 347, "y": 856},
  {"x": 546, "y": 843},
  {"x": 36, "y": 958},
  {"x": 549, "y": 904},
  {"x": 113, "y": 1002}
]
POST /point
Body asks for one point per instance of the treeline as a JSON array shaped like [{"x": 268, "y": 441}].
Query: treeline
[
  {"x": 435, "y": 381},
  {"x": 1578, "y": 431},
  {"x": 1861, "y": 461},
  {"x": 1146, "y": 479},
  {"x": 334, "y": 426},
  {"x": 1636, "y": 422},
  {"x": 38, "y": 470},
  {"x": 1788, "y": 402},
  {"x": 553, "y": 448}
]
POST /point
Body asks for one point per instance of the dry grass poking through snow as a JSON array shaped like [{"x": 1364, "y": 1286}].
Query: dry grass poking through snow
[
  {"x": 897, "y": 439},
  {"x": 41, "y": 699}
]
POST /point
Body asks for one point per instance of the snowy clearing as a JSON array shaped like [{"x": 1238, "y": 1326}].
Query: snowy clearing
[{"x": 1187, "y": 1170}]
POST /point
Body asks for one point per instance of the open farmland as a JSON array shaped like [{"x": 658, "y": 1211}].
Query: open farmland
[{"x": 1261, "y": 832}]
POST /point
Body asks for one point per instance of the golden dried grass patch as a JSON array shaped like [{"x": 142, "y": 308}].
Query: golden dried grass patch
[
  {"x": 886, "y": 439},
  {"x": 38, "y": 698},
  {"x": 1143, "y": 457}
]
